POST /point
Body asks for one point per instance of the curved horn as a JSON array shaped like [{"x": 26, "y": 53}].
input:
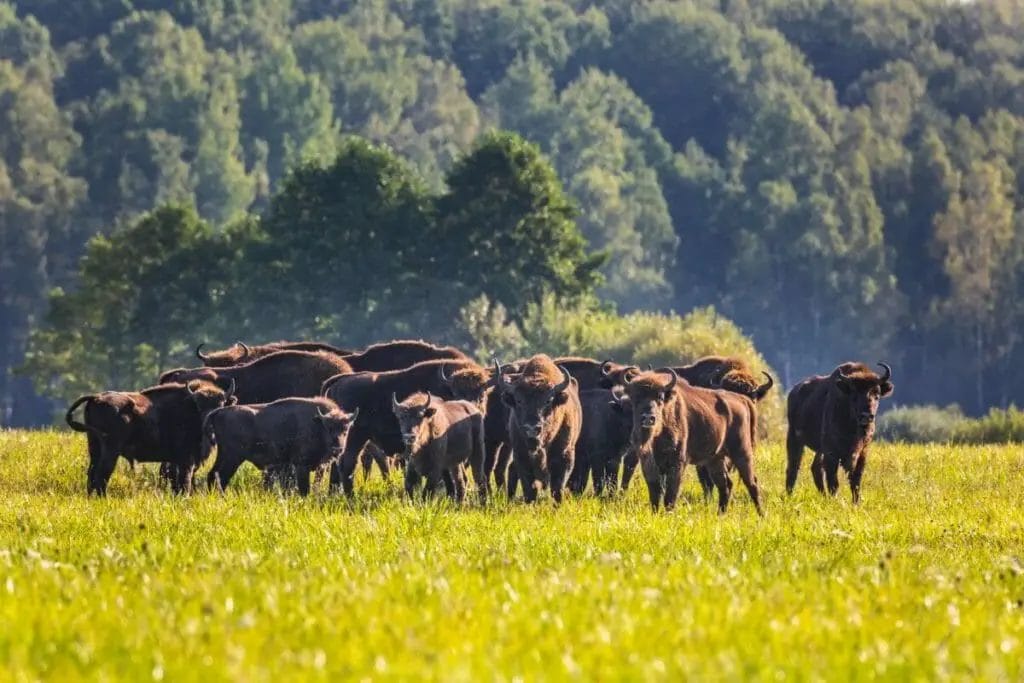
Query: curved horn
[
  {"x": 426, "y": 404},
  {"x": 650, "y": 367},
  {"x": 321, "y": 414},
  {"x": 231, "y": 389},
  {"x": 192, "y": 386},
  {"x": 444, "y": 378},
  {"x": 394, "y": 401},
  {"x": 246, "y": 351},
  {"x": 675, "y": 378},
  {"x": 888, "y": 373},
  {"x": 199, "y": 353},
  {"x": 763, "y": 390},
  {"x": 353, "y": 415},
  {"x": 559, "y": 388},
  {"x": 606, "y": 367}
]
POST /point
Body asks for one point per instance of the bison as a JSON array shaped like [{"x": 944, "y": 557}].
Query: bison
[
  {"x": 675, "y": 424},
  {"x": 243, "y": 353},
  {"x": 285, "y": 374},
  {"x": 160, "y": 424},
  {"x": 397, "y": 355},
  {"x": 712, "y": 372},
  {"x": 476, "y": 384},
  {"x": 834, "y": 416},
  {"x": 300, "y": 434},
  {"x": 603, "y": 441},
  {"x": 370, "y": 393},
  {"x": 544, "y": 425},
  {"x": 440, "y": 437}
]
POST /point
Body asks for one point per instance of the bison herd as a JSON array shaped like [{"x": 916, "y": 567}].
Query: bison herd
[{"x": 299, "y": 409}]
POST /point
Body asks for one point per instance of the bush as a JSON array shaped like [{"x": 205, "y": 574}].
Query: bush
[
  {"x": 920, "y": 424},
  {"x": 598, "y": 332},
  {"x": 932, "y": 424}
]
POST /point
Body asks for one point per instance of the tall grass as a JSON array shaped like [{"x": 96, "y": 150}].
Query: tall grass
[{"x": 923, "y": 581}]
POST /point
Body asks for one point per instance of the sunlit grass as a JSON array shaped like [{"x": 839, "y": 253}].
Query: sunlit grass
[{"x": 924, "y": 581}]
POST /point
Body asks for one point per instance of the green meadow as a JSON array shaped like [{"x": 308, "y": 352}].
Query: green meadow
[{"x": 923, "y": 581}]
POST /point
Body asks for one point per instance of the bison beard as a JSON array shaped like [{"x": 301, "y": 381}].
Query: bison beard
[
  {"x": 834, "y": 416},
  {"x": 544, "y": 426},
  {"x": 675, "y": 424}
]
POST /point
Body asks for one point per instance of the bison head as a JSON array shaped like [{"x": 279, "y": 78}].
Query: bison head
[
  {"x": 336, "y": 424},
  {"x": 469, "y": 384},
  {"x": 186, "y": 375},
  {"x": 413, "y": 416},
  {"x": 616, "y": 374},
  {"x": 239, "y": 353},
  {"x": 534, "y": 395},
  {"x": 861, "y": 390},
  {"x": 648, "y": 393},
  {"x": 209, "y": 396}
]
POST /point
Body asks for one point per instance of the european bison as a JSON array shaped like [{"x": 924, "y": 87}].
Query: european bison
[
  {"x": 243, "y": 353},
  {"x": 476, "y": 385},
  {"x": 544, "y": 425},
  {"x": 711, "y": 372},
  {"x": 675, "y": 424},
  {"x": 370, "y": 393},
  {"x": 440, "y": 437},
  {"x": 397, "y": 355},
  {"x": 834, "y": 416},
  {"x": 300, "y": 434},
  {"x": 603, "y": 441},
  {"x": 285, "y": 374},
  {"x": 159, "y": 424}
]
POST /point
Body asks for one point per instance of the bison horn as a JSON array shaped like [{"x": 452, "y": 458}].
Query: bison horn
[
  {"x": 444, "y": 377},
  {"x": 763, "y": 390},
  {"x": 499, "y": 379},
  {"x": 231, "y": 389},
  {"x": 321, "y": 414},
  {"x": 559, "y": 388},
  {"x": 650, "y": 367},
  {"x": 426, "y": 404},
  {"x": 888, "y": 372},
  {"x": 675, "y": 378},
  {"x": 192, "y": 386},
  {"x": 199, "y": 353},
  {"x": 394, "y": 401},
  {"x": 246, "y": 351},
  {"x": 352, "y": 417},
  {"x": 606, "y": 367}
]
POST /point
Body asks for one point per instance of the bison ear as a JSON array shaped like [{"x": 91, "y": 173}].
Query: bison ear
[
  {"x": 429, "y": 412},
  {"x": 886, "y": 388}
]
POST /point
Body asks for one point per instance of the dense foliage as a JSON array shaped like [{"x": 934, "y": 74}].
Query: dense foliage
[
  {"x": 842, "y": 179},
  {"x": 931, "y": 424}
]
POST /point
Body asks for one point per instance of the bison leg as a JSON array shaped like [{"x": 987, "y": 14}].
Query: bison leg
[
  {"x": 716, "y": 468},
  {"x": 223, "y": 470},
  {"x": 302, "y": 479},
  {"x": 458, "y": 477},
  {"x": 744, "y": 464},
  {"x": 629, "y": 464},
  {"x": 673, "y": 480},
  {"x": 655, "y": 481},
  {"x": 504, "y": 469},
  {"x": 412, "y": 480},
  {"x": 832, "y": 474},
  {"x": 794, "y": 454},
  {"x": 559, "y": 474},
  {"x": 343, "y": 472},
  {"x": 855, "y": 475},
  {"x": 707, "y": 484},
  {"x": 101, "y": 469},
  {"x": 182, "y": 482},
  {"x": 818, "y": 472}
]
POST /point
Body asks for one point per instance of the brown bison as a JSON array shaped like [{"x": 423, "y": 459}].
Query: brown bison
[
  {"x": 397, "y": 355},
  {"x": 476, "y": 385},
  {"x": 243, "y": 353},
  {"x": 296, "y": 434},
  {"x": 285, "y": 374},
  {"x": 160, "y": 424},
  {"x": 834, "y": 416},
  {"x": 711, "y": 372},
  {"x": 603, "y": 441},
  {"x": 675, "y": 424},
  {"x": 544, "y": 425},
  {"x": 440, "y": 437},
  {"x": 370, "y": 393}
]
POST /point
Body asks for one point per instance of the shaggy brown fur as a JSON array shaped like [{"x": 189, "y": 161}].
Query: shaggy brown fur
[
  {"x": 834, "y": 416},
  {"x": 675, "y": 424},
  {"x": 245, "y": 353},
  {"x": 159, "y": 424},
  {"x": 440, "y": 437},
  {"x": 545, "y": 422}
]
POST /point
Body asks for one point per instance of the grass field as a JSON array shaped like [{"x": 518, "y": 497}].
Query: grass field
[{"x": 924, "y": 581}]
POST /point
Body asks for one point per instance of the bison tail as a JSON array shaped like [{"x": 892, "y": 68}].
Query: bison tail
[
  {"x": 753, "y": 428},
  {"x": 209, "y": 436},
  {"x": 69, "y": 417}
]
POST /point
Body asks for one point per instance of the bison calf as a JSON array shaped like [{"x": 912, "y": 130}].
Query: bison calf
[
  {"x": 603, "y": 441},
  {"x": 299, "y": 433},
  {"x": 834, "y": 416},
  {"x": 440, "y": 437}
]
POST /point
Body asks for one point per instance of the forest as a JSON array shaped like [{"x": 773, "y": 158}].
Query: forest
[{"x": 834, "y": 180}]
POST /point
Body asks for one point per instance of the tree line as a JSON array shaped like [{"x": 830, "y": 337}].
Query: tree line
[{"x": 841, "y": 179}]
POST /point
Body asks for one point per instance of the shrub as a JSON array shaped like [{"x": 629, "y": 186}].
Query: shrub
[
  {"x": 998, "y": 426},
  {"x": 920, "y": 424}
]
